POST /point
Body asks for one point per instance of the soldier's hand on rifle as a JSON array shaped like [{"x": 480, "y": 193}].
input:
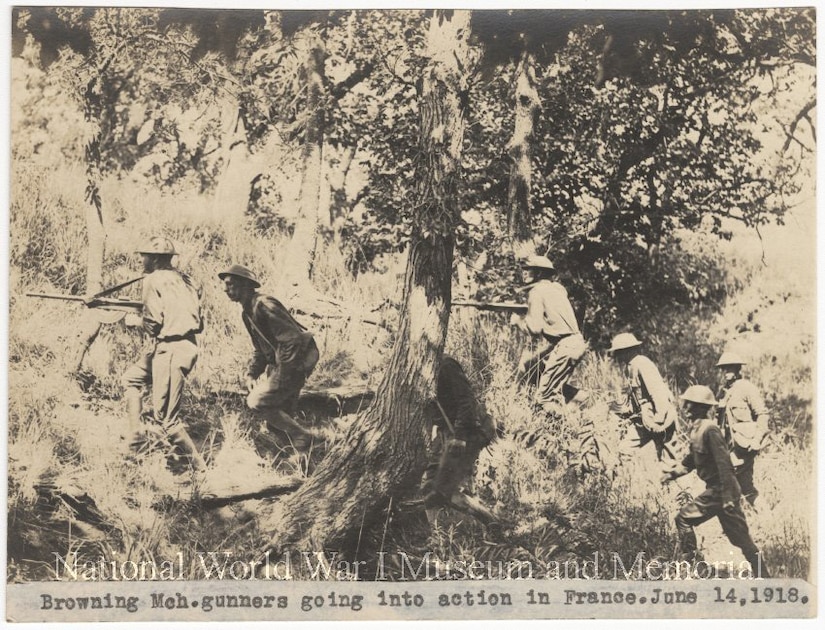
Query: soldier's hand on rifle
[
  {"x": 516, "y": 319},
  {"x": 133, "y": 320}
]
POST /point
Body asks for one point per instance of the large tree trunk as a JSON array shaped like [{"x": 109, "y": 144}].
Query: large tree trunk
[
  {"x": 520, "y": 147},
  {"x": 383, "y": 455},
  {"x": 304, "y": 240},
  {"x": 232, "y": 192},
  {"x": 90, "y": 324}
]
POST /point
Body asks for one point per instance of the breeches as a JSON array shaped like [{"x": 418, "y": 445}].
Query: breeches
[
  {"x": 744, "y": 473},
  {"x": 705, "y": 507},
  {"x": 557, "y": 368},
  {"x": 165, "y": 369},
  {"x": 276, "y": 392}
]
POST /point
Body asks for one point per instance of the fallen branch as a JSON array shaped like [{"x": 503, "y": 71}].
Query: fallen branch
[{"x": 214, "y": 498}]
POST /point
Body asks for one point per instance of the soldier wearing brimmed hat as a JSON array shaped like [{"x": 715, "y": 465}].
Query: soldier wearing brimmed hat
[
  {"x": 172, "y": 317},
  {"x": 708, "y": 456},
  {"x": 551, "y": 322},
  {"x": 649, "y": 403},
  {"x": 744, "y": 420},
  {"x": 284, "y": 353}
]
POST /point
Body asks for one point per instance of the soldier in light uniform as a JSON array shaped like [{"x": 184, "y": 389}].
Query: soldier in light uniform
[
  {"x": 649, "y": 403},
  {"x": 552, "y": 324},
  {"x": 172, "y": 318},
  {"x": 709, "y": 457},
  {"x": 284, "y": 353},
  {"x": 744, "y": 420}
]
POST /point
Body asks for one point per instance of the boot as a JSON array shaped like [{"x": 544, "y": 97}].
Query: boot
[
  {"x": 180, "y": 438},
  {"x": 134, "y": 409},
  {"x": 299, "y": 436},
  {"x": 758, "y": 568}
]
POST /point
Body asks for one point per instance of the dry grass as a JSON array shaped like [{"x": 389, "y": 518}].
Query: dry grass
[{"x": 536, "y": 474}]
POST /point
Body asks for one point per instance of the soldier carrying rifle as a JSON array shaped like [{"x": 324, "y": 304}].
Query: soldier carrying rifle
[
  {"x": 171, "y": 316},
  {"x": 550, "y": 321},
  {"x": 649, "y": 403},
  {"x": 170, "y": 312}
]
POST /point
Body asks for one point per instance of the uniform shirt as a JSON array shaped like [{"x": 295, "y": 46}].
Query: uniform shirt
[
  {"x": 647, "y": 385},
  {"x": 455, "y": 395},
  {"x": 745, "y": 414},
  {"x": 278, "y": 339},
  {"x": 549, "y": 311},
  {"x": 710, "y": 458},
  {"x": 171, "y": 304}
]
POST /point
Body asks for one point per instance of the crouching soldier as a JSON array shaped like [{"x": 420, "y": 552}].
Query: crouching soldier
[
  {"x": 463, "y": 428},
  {"x": 709, "y": 457},
  {"x": 284, "y": 353},
  {"x": 649, "y": 404}
]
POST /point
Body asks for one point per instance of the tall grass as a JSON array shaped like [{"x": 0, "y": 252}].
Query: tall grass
[{"x": 561, "y": 482}]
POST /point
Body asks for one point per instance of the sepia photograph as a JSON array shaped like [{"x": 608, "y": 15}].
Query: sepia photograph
[{"x": 341, "y": 314}]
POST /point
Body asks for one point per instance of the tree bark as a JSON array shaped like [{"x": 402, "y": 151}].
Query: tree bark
[
  {"x": 90, "y": 325},
  {"x": 304, "y": 240},
  {"x": 232, "y": 192},
  {"x": 383, "y": 455},
  {"x": 520, "y": 147}
]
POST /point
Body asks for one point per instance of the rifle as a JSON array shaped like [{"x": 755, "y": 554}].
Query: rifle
[
  {"x": 109, "y": 304},
  {"x": 497, "y": 307},
  {"x": 98, "y": 300}
]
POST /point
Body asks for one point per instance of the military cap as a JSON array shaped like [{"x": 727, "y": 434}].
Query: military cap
[{"x": 240, "y": 271}]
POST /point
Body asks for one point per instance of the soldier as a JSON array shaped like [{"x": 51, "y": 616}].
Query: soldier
[
  {"x": 709, "y": 457},
  {"x": 743, "y": 417},
  {"x": 285, "y": 353},
  {"x": 172, "y": 317},
  {"x": 550, "y": 320},
  {"x": 463, "y": 428},
  {"x": 649, "y": 402}
]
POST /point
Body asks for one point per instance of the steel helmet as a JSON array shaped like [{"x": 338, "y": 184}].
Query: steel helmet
[
  {"x": 157, "y": 245},
  {"x": 241, "y": 272},
  {"x": 699, "y": 394},
  {"x": 623, "y": 341},
  {"x": 729, "y": 358},
  {"x": 538, "y": 262}
]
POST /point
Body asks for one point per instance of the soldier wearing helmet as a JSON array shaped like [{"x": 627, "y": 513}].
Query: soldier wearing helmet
[
  {"x": 743, "y": 417},
  {"x": 172, "y": 317},
  {"x": 551, "y": 322},
  {"x": 708, "y": 456},
  {"x": 284, "y": 355},
  {"x": 649, "y": 401}
]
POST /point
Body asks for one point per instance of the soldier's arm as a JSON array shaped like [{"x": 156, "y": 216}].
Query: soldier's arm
[
  {"x": 152, "y": 314},
  {"x": 257, "y": 364},
  {"x": 656, "y": 387},
  {"x": 760, "y": 410},
  {"x": 721, "y": 457},
  {"x": 533, "y": 320},
  {"x": 680, "y": 469}
]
